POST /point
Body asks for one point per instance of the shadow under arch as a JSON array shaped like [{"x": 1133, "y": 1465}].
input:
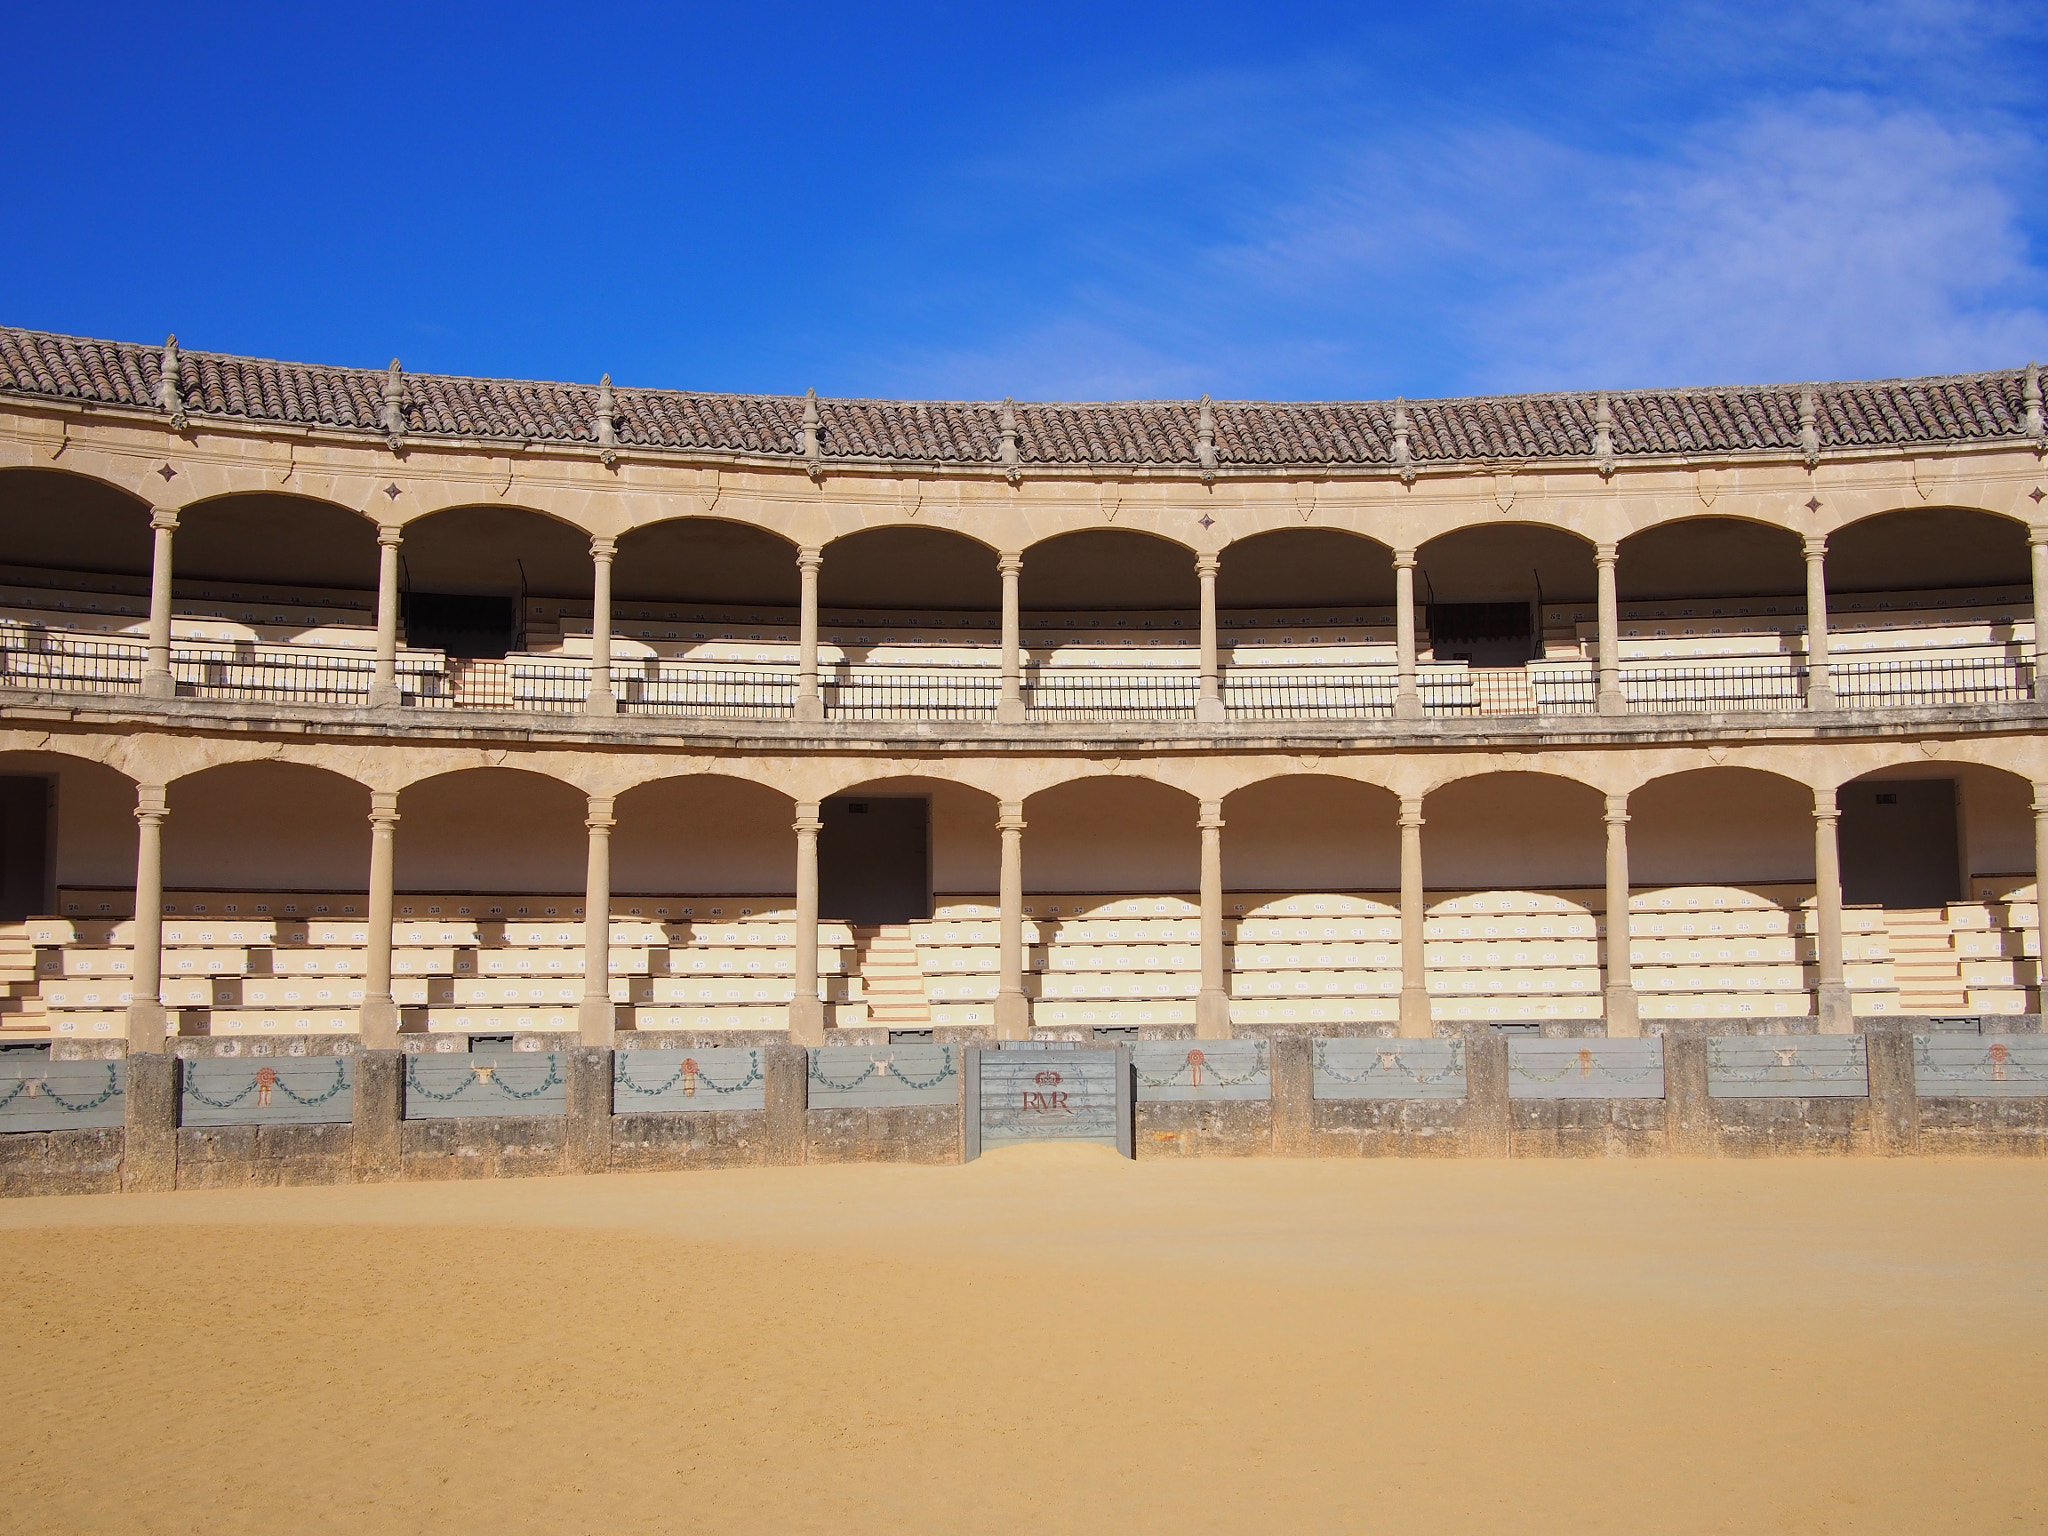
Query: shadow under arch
[
  {"x": 1514, "y": 829},
  {"x": 1484, "y": 589},
  {"x": 491, "y": 832},
  {"x": 1920, "y": 832},
  {"x": 1733, "y": 826},
  {"x": 266, "y": 825},
  {"x": 1108, "y": 569},
  {"x": 272, "y": 536},
  {"x": 57, "y": 519},
  {"x": 1707, "y": 555},
  {"x": 910, "y": 567},
  {"x": 1305, "y": 567},
  {"x": 703, "y": 834},
  {"x": 698, "y": 559},
  {"x": 1106, "y": 833},
  {"x": 1923, "y": 548},
  {"x": 69, "y": 836},
  {"x": 1309, "y": 832}
]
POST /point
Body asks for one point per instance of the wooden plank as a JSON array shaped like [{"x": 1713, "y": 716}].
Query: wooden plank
[
  {"x": 457, "y": 1085},
  {"x": 883, "y": 1076},
  {"x": 1585, "y": 1069},
  {"x": 1068, "y": 1095},
  {"x": 38, "y": 1094},
  {"x": 276, "y": 1090},
  {"x": 1948, "y": 1066},
  {"x": 1383, "y": 1068},
  {"x": 1787, "y": 1067},
  {"x": 702, "y": 1078},
  {"x": 1182, "y": 1070}
]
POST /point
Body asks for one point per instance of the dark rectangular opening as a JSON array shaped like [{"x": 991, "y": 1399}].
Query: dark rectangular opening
[
  {"x": 874, "y": 859},
  {"x": 462, "y": 624},
  {"x": 1898, "y": 842},
  {"x": 1484, "y": 634},
  {"x": 24, "y": 846}
]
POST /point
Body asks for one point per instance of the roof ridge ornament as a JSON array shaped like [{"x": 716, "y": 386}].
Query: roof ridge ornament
[
  {"x": 1007, "y": 453},
  {"x": 813, "y": 452},
  {"x": 607, "y": 431},
  {"x": 2033, "y": 426},
  {"x": 170, "y": 384},
  {"x": 1404, "y": 457},
  {"x": 394, "y": 407},
  {"x": 1205, "y": 439},
  {"x": 1603, "y": 434},
  {"x": 1809, "y": 429}
]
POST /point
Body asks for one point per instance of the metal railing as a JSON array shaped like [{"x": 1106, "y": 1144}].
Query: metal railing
[
  {"x": 55, "y": 663},
  {"x": 907, "y": 693},
  {"x": 1930, "y": 684},
  {"x": 709, "y": 693},
  {"x": 1331, "y": 693},
  {"x": 243, "y": 672},
  {"x": 1080, "y": 693},
  {"x": 1712, "y": 690}
]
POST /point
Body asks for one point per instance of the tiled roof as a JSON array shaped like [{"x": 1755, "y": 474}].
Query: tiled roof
[{"x": 1962, "y": 408}]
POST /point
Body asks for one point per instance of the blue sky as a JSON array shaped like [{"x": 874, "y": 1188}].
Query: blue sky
[{"x": 1055, "y": 201}]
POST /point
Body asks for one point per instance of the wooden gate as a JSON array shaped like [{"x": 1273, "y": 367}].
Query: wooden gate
[{"x": 1071, "y": 1094}]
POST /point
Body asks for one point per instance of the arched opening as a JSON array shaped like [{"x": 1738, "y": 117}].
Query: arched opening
[
  {"x": 479, "y": 583},
  {"x": 1707, "y": 558},
  {"x": 1502, "y": 596},
  {"x": 1305, "y": 568},
  {"x": 1100, "y": 605},
  {"x": 493, "y": 832},
  {"x": 702, "y": 835},
  {"x": 1515, "y": 866},
  {"x": 921, "y": 569},
  {"x": 1310, "y": 833},
  {"x": 1927, "y": 549},
  {"x": 1110, "y": 835},
  {"x": 67, "y": 838},
  {"x": 255, "y": 829},
  {"x": 52, "y": 522},
  {"x": 1109, "y": 570},
  {"x": 705, "y": 561}
]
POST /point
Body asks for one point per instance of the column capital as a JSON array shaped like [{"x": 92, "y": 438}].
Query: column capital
[
  {"x": 1411, "y": 811},
  {"x": 806, "y": 820},
  {"x": 1010, "y": 816},
  {"x": 1404, "y": 559},
  {"x": 152, "y": 802},
  {"x": 2041, "y": 799},
  {"x": 1207, "y": 565},
  {"x": 603, "y": 546},
  {"x": 810, "y": 558},
  {"x": 599, "y": 818},
  {"x": 390, "y": 535},
  {"x": 164, "y": 518},
  {"x": 1815, "y": 545},
  {"x": 1010, "y": 563},
  {"x": 383, "y": 807},
  {"x": 1606, "y": 554},
  {"x": 1210, "y": 817},
  {"x": 2037, "y": 537},
  {"x": 1617, "y": 809},
  {"x": 1824, "y": 806}
]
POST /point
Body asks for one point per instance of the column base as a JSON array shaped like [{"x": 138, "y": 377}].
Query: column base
[
  {"x": 380, "y": 1024},
  {"x": 1624, "y": 1021},
  {"x": 1836, "y": 1015},
  {"x": 601, "y": 701},
  {"x": 1611, "y": 702},
  {"x": 809, "y": 707},
  {"x": 1013, "y": 1016},
  {"x": 1821, "y": 697},
  {"x": 807, "y": 1021},
  {"x": 596, "y": 1018},
  {"x": 1416, "y": 1024},
  {"x": 1209, "y": 710},
  {"x": 1009, "y": 712},
  {"x": 385, "y": 696},
  {"x": 159, "y": 685},
  {"x": 147, "y": 1025},
  {"x": 1407, "y": 706},
  {"x": 1212, "y": 1016}
]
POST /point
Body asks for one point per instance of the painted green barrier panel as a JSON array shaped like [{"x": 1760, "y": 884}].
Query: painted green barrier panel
[
  {"x": 1073, "y": 1095},
  {"x": 1787, "y": 1067},
  {"x": 38, "y": 1094},
  {"x": 278, "y": 1090},
  {"x": 884, "y": 1076},
  {"x": 1585, "y": 1069},
  {"x": 1380, "y": 1068},
  {"x": 1952, "y": 1066},
  {"x": 463, "y": 1085},
  {"x": 669, "y": 1082},
  {"x": 1186, "y": 1070}
]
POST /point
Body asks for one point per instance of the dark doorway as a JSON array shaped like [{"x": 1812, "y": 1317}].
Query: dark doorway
[
  {"x": 474, "y": 628},
  {"x": 874, "y": 859},
  {"x": 1898, "y": 841},
  {"x": 1484, "y": 634},
  {"x": 24, "y": 847}
]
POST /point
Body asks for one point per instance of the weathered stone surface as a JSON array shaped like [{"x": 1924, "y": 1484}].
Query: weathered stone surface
[
  {"x": 589, "y": 1070},
  {"x": 1392, "y": 1128},
  {"x": 1690, "y": 1121},
  {"x": 376, "y": 1148},
  {"x": 1293, "y": 1105},
  {"x": 788, "y": 1070},
  {"x": 708, "y": 1139},
  {"x": 235, "y": 1156},
  {"x": 1790, "y": 1127},
  {"x": 1586, "y": 1128},
  {"x": 83, "y": 1162},
  {"x": 1983, "y": 1127},
  {"x": 924, "y": 1133},
  {"x": 1894, "y": 1101},
  {"x": 1487, "y": 1119},
  {"x": 149, "y": 1148},
  {"x": 484, "y": 1147},
  {"x": 1191, "y": 1128}
]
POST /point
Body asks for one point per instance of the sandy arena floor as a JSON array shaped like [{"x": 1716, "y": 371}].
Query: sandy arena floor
[{"x": 1051, "y": 1340}]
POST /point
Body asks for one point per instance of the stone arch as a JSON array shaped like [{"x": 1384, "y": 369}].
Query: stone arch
[
  {"x": 1302, "y": 832},
  {"x": 1111, "y": 832},
  {"x": 1495, "y": 562},
  {"x": 62, "y": 520},
  {"x": 1990, "y": 812},
  {"x": 1305, "y": 567},
  {"x": 702, "y": 559},
  {"x": 965, "y": 845},
  {"x": 703, "y": 834},
  {"x": 1108, "y": 568},
  {"x": 491, "y": 831},
  {"x": 88, "y": 831},
  {"x": 266, "y": 825},
  {"x": 1720, "y": 825},
  {"x": 903, "y": 566},
  {"x": 272, "y": 536},
  {"x": 499, "y": 549},
  {"x": 1904, "y": 548},
  {"x": 1515, "y": 828},
  {"x": 1708, "y": 555}
]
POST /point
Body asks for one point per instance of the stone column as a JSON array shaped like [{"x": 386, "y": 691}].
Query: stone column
[
  {"x": 1209, "y": 704},
  {"x": 1820, "y": 692},
  {"x": 380, "y": 1010},
  {"x": 1611, "y": 702},
  {"x": 1415, "y": 1019},
  {"x": 2040, "y": 890},
  {"x": 810, "y": 699},
  {"x": 146, "y": 1016},
  {"x": 601, "y": 700},
  {"x": 1212, "y": 1004},
  {"x": 806, "y": 1011},
  {"x": 157, "y": 682},
  {"x": 1623, "y": 1018},
  {"x": 1010, "y": 708},
  {"x": 2037, "y": 547},
  {"x": 1832, "y": 997},
  {"x": 1013, "y": 1007},
  {"x": 1407, "y": 699},
  {"x": 384, "y": 681},
  {"x": 595, "y": 1016}
]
